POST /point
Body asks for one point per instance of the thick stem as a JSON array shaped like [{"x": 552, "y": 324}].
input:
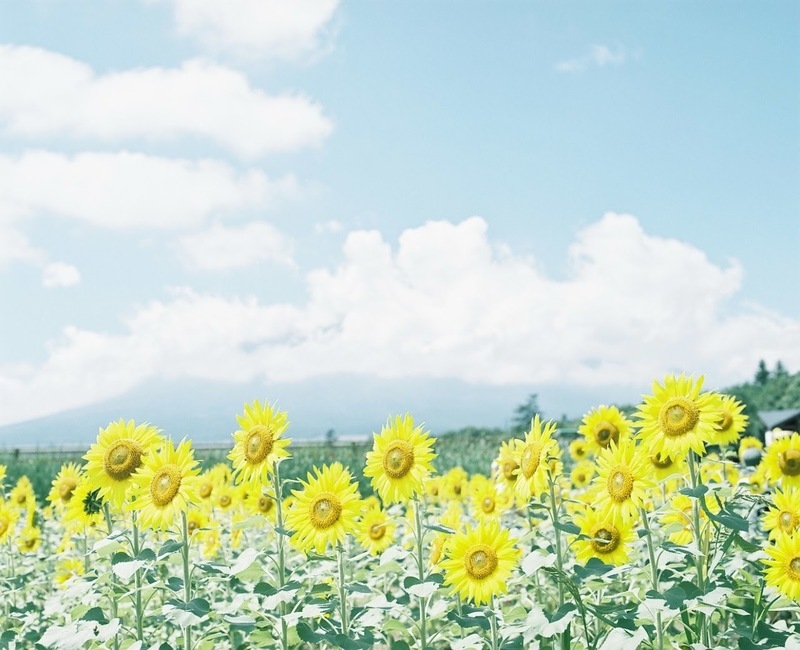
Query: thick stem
[
  {"x": 187, "y": 578},
  {"x": 700, "y": 558},
  {"x": 653, "y": 576},
  {"x": 137, "y": 577},
  {"x": 276, "y": 480},
  {"x": 343, "y": 594},
  {"x": 493, "y": 625},
  {"x": 423, "y": 638},
  {"x": 114, "y": 610}
]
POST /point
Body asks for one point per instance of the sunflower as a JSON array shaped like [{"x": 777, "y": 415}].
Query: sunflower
[
  {"x": 677, "y": 520},
  {"x": 22, "y": 495},
  {"x": 663, "y": 467},
  {"x": 226, "y": 497},
  {"x": 716, "y": 470},
  {"x": 582, "y": 473},
  {"x": 782, "y": 461},
  {"x": 678, "y": 417},
  {"x": 85, "y": 508},
  {"x": 68, "y": 568},
  {"x": 603, "y": 425},
  {"x": 165, "y": 485},
  {"x": 758, "y": 482},
  {"x": 258, "y": 444},
  {"x": 262, "y": 504},
  {"x": 731, "y": 421},
  {"x": 375, "y": 531},
  {"x": 488, "y": 502},
  {"x": 507, "y": 467},
  {"x": 29, "y": 539},
  {"x": 400, "y": 460},
  {"x": 64, "y": 485},
  {"x": 533, "y": 457},
  {"x": 197, "y": 521},
  {"x": 621, "y": 481},
  {"x": 606, "y": 539},
  {"x": 578, "y": 450},
  {"x": 119, "y": 451},
  {"x": 479, "y": 562},
  {"x": 749, "y": 442},
  {"x": 326, "y": 509},
  {"x": 456, "y": 484},
  {"x": 8, "y": 520},
  {"x": 783, "y": 565},
  {"x": 433, "y": 488},
  {"x": 784, "y": 517}
]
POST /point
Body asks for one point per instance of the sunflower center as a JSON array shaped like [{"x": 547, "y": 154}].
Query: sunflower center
[
  {"x": 264, "y": 504},
  {"x": 789, "y": 462},
  {"x": 620, "y": 484},
  {"x": 225, "y": 500},
  {"x": 605, "y": 433},
  {"x": 206, "y": 489},
  {"x": 510, "y": 468},
  {"x": 487, "y": 505},
  {"x": 22, "y": 498},
  {"x": 325, "y": 510},
  {"x": 398, "y": 459},
  {"x": 457, "y": 489},
  {"x": 122, "y": 459},
  {"x": 165, "y": 485},
  {"x": 480, "y": 561},
  {"x": 725, "y": 422},
  {"x": 678, "y": 416},
  {"x": 787, "y": 521},
  {"x": 662, "y": 462},
  {"x": 192, "y": 526},
  {"x": 29, "y": 542},
  {"x": 258, "y": 444},
  {"x": 605, "y": 540},
  {"x": 530, "y": 459},
  {"x": 794, "y": 568},
  {"x": 66, "y": 488},
  {"x": 377, "y": 531}
]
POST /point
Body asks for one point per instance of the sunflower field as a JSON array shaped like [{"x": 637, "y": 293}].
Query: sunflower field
[{"x": 665, "y": 530}]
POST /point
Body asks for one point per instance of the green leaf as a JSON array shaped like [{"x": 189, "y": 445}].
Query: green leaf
[
  {"x": 694, "y": 493},
  {"x": 594, "y": 567},
  {"x": 439, "y": 529},
  {"x": 95, "y": 614},
  {"x": 469, "y": 621},
  {"x": 120, "y": 557},
  {"x": 567, "y": 527},
  {"x": 359, "y": 588},
  {"x": 169, "y": 547},
  {"x": 265, "y": 589}
]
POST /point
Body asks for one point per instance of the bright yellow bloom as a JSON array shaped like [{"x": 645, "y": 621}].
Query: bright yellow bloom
[
  {"x": 582, "y": 473},
  {"x": 783, "y": 565},
  {"x": 664, "y": 467},
  {"x": 196, "y": 522},
  {"x": 226, "y": 497},
  {"x": 488, "y": 502},
  {"x": 165, "y": 485},
  {"x": 68, "y": 568},
  {"x": 678, "y": 417},
  {"x": 258, "y": 444},
  {"x": 507, "y": 467},
  {"x": 375, "y": 531},
  {"x": 456, "y": 484},
  {"x": 603, "y": 425},
  {"x": 119, "y": 451},
  {"x": 608, "y": 538},
  {"x": 326, "y": 509},
  {"x": 622, "y": 478},
  {"x": 400, "y": 460},
  {"x": 533, "y": 457},
  {"x": 29, "y": 539},
  {"x": 8, "y": 520},
  {"x": 677, "y": 520},
  {"x": 782, "y": 461},
  {"x": 22, "y": 495},
  {"x": 758, "y": 481},
  {"x": 784, "y": 517},
  {"x": 578, "y": 450},
  {"x": 64, "y": 485},
  {"x": 479, "y": 562},
  {"x": 731, "y": 421},
  {"x": 716, "y": 470}
]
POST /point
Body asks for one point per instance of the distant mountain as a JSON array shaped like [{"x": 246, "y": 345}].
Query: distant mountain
[{"x": 354, "y": 406}]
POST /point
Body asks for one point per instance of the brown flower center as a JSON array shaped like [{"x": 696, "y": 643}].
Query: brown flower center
[
  {"x": 662, "y": 462},
  {"x": 258, "y": 444},
  {"x": 398, "y": 459},
  {"x": 510, "y": 468},
  {"x": 377, "y": 531},
  {"x": 206, "y": 489},
  {"x": 725, "y": 422},
  {"x": 788, "y": 521},
  {"x": 265, "y": 504},
  {"x": 480, "y": 561},
  {"x": 66, "y": 488},
  {"x": 678, "y": 416},
  {"x": 487, "y": 505},
  {"x": 605, "y": 540},
  {"x": 789, "y": 462},
  {"x": 620, "y": 484},
  {"x": 605, "y": 433},
  {"x": 325, "y": 510},
  {"x": 165, "y": 485},
  {"x": 122, "y": 459}
]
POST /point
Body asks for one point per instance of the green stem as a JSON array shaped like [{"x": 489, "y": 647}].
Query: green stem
[
  {"x": 85, "y": 548},
  {"x": 187, "y": 578},
  {"x": 423, "y": 638},
  {"x": 343, "y": 593},
  {"x": 653, "y": 575},
  {"x": 700, "y": 558},
  {"x": 137, "y": 577},
  {"x": 565, "y": 636},
  {"x": 114, "y": 609},
  {"x": 276, "y": 480},
  {"x": 493, "y": 625}
]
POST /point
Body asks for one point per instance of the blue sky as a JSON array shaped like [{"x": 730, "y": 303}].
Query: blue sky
[{"x": 587, "y": 194}]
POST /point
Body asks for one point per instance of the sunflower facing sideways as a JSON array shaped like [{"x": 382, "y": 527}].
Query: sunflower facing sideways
[
  {"x": 783, "y": 565},
  {"x": 400, "y": 460},
  {"x": 165, "y": 485},
  {"x": 732, "y": 421},
  {"x": 479, "y": 562},
  {"x": 782, "y": 461},
  {"x": 784, "y": 517},
  {"x": 678, "y": 417},
  {"x": 119, "y": 451},
  {"x": 325, "y": 510},
  {"x": 258, "y": 445},
  {"x": 603, "y": 425},
  {"x": 532, "y": 457},
  {"x": 64, "y": 485}
]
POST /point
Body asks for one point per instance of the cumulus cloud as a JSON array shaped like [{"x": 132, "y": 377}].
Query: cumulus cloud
[
  {"x": 131, "y": 190},
  {"x": 59, "y": 274},
  {"x": 57, "y": 95},
  {"x": 598, "y": 56},
  {"x": 234, "y": 248},
  {"x": 444, "y": 302},
  {"x": 268, "y": 28}
]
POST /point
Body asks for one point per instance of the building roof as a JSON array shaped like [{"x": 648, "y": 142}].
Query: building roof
[{"x": 776, "y": 418}]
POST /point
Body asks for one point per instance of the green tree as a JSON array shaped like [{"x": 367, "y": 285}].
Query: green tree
[
  {"x": 762, "y": 374},
  {"x": 524, "y": 413}
]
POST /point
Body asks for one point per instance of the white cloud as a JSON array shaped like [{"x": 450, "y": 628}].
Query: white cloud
[
  {"x": 234, "y": 248},
  {"x": 56, "y": 95},
  {"x": 599, "y": 56},
  {"x": 15, "y": 247},
  {"x": 269, "y": 28},
  {"x": 331, "y": 226},
  {"x": 59, "y": 274},
  {"x": 444, "y": 303},
  {"x": 131, "y": 190}
]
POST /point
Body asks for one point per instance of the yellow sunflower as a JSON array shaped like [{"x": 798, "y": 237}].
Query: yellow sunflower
[
  {"x": 479, "y": 562},
  {"x": 582, "y": 474},
  {"x": 400, "y": 460},
  {"x": 196, "y": 522},
  {"x": 85, "y": 508},
  {"x": 783, "y": 565},
  {"x": 325, "y": 510},
  {"x": 749, "y": 442},
  {"x": 68, "y": 568},
  {"x": 533, "y": 457},
  {"x": 603, "y": 425},
  {"x": 578, "y": 450},
  {"x": 64, "y": 485},
  {"x": 782, "y": 461},
  {"x": 226, "y": 497},
  {"x": 731, "y": 421},
  {"x": 29, "y": 539},
  {"x": 663, "y": 467},
  {"x": 758, "y": 482},
  {"x": 488, "y": 502},
  {"x": 8, "y": 521},
  {"x": 22, "y": 495},
  {"x": 677, "y": 519},
  {"x": 119, "y": 451},
  {"x": 375, "y": 531},
  {"x": 258, "y": 444},
  {"x": 165, "y": 485},
  {"x": 621, "y": 482},
  {"x": 606, "y": 539},
  {"x": 784, "y": 517},
  {"x": 678, "y": 417},
  {"x": 433, "y": 489},
  {"x": 506, "y": 463},
  {"x": 456, "y": 484}
]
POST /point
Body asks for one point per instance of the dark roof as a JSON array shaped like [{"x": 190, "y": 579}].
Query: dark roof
[{"x": 774, "y": 419}]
